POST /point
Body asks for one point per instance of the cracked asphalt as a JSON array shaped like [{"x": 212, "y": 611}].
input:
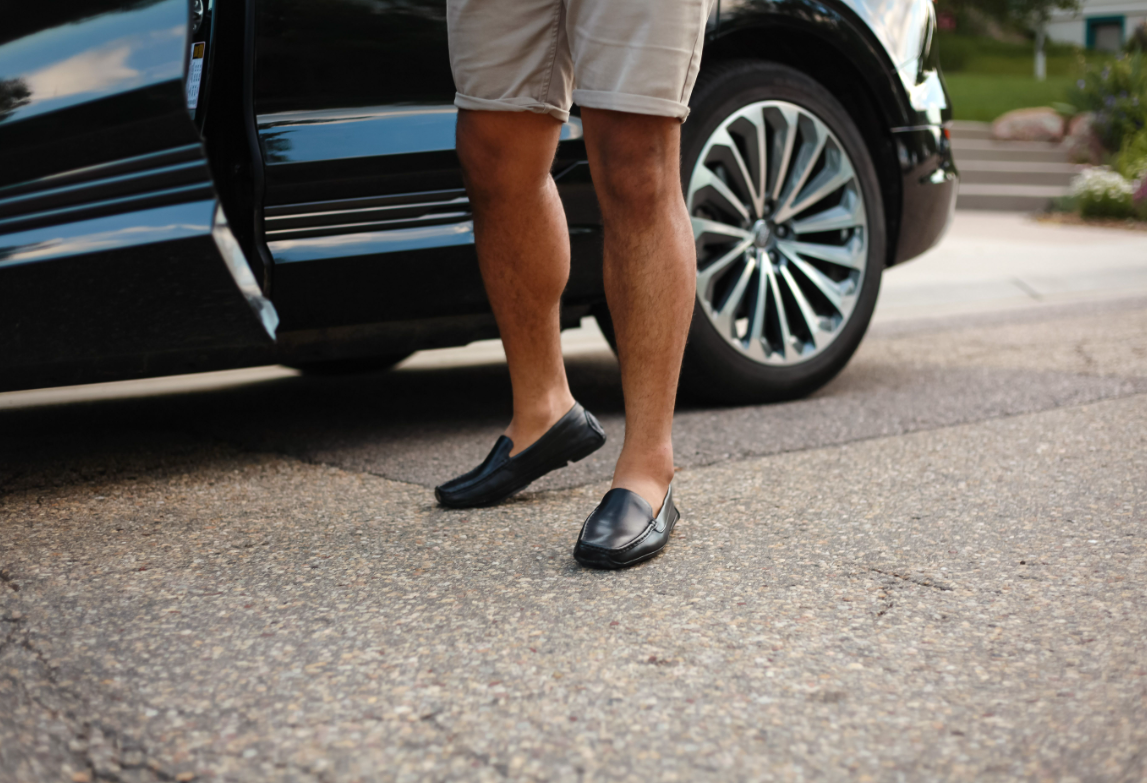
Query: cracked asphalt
[{"x": 934, "y": 568}]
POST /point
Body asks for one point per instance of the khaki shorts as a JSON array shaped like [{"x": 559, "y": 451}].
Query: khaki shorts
[{"x": 638, "y": 56}]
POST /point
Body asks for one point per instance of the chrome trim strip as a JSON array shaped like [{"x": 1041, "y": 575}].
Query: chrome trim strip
[
  {"x": 125, "y": 185},
  {"x": 377, "y": 225},
  {"x": 156, "y": 198},
  {"x": 398, "y": 199},
  {"x": 111, "y": 168},
  {"x": 94, "y": 186},
  {"x": 457, "y": 202}
]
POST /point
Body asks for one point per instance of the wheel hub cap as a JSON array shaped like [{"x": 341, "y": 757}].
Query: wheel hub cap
[{"x": 762, "y": 233}]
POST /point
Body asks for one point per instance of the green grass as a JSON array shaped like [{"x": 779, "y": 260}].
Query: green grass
[
  {"x": 978, "y": 96},
  {"x": 987, "y": 77}
]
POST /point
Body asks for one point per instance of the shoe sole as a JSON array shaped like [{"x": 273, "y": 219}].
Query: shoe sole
[{"x": 577, "y": 456}]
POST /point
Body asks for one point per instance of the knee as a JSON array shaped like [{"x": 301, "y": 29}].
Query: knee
[
  {"x": 635, "y": 183},
  {"x": 502, "y": 153}
]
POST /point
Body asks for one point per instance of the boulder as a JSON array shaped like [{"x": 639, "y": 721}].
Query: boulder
[
  {"x": 1040, "y": 124},
  {"x": 1082, "y": 142}
]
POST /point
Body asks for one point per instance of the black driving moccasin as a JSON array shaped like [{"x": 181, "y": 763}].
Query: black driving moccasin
[
  {"x": 622, "y": 530},
  {"x": 574, "y": 437}
]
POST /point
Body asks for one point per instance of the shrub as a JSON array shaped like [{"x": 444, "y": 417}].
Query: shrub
[
  {"x": 1101, "y": 192},
  {"x": 1139, "y": 200},
  {"x": 1137, "y": 41},
  {"x": 1117, "y": 93},
  {"x": 1131, "y": 161}
]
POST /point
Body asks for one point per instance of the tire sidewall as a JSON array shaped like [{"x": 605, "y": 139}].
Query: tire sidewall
[{"x": 712, "y": 367}]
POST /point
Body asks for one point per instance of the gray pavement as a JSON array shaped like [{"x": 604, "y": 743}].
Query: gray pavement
[{"x": 934, "y": 568}]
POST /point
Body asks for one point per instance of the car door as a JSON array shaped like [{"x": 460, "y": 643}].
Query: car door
[
  {"x": 115, "y": 254},
  {"x": 365, "y": 214}
]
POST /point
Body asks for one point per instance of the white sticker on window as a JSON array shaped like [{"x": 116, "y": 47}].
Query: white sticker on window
[{"x": 195, "y": 74}]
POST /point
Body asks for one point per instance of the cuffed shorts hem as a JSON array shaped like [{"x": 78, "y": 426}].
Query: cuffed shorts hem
[
  {"x": 511, "y": 104},
  {"x": 628, "y": 102}
]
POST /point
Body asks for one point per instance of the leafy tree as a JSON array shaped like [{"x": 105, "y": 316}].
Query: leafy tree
[{"x": 14, "y": 93}]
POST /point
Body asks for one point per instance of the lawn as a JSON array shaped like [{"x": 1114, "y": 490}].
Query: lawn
[
  {"x": 987, "y": 77},
  {"x": 979, "y": 96}
]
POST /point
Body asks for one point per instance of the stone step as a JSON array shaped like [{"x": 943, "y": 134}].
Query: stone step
[
  {"x": 1008, "y": 198},
  {"x": 1005, "y": 151},
  {"x": 965, "y": 129},
  {"x": 1017, "y": 172}
]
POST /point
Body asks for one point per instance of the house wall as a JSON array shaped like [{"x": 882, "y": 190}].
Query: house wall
[{"x": 1069, "y": 27}]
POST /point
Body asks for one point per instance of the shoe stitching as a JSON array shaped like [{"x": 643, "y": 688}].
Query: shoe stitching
[{"x": 651, "y": 527}]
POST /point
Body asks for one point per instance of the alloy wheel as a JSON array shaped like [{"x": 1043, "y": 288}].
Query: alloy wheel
[{"x": 781, "y": 230}]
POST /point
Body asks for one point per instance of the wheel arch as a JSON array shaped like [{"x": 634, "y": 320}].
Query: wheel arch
[{"x": 828, "y": 47}]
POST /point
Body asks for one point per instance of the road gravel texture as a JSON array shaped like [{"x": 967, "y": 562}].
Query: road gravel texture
[{"x": 935, "y": 568}]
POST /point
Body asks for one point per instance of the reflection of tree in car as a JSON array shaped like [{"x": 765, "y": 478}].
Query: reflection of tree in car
[{"x": 14, "y": 93}]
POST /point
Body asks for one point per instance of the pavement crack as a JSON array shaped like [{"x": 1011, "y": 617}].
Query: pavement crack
[
  {"x": 1027, "y": 289},
  {"x": 922, "y": 581},
  {"x": 100, "y": 750}
]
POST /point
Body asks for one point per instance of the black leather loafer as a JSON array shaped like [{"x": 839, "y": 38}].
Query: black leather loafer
[
  {"x": 574, "y": 437},
  {"x": 622, "y": 530}
]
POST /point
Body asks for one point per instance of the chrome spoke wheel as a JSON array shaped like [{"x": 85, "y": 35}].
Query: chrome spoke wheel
[{"x": 781, "y": 230}]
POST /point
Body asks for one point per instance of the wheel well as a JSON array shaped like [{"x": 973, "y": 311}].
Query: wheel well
[{"x": 815, "y": 57}]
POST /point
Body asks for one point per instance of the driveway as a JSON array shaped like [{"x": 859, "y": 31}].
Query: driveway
[{"x": 935, "y": 567}]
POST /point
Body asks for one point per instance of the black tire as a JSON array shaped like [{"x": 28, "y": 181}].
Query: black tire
[
  {"x": 713, "y": 369},
  {"x": 362, "y": 365}
]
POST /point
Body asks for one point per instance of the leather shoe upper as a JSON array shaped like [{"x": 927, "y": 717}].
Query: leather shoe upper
[
  {"x": 574, "y": 436},
  {"x": 623, "y": 531},
  {"x": 618, "y": 521}
]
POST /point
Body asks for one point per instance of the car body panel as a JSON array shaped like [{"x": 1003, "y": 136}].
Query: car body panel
[
  {"x": 326, "y": 131},
  {"x": 112, "y": 241}
]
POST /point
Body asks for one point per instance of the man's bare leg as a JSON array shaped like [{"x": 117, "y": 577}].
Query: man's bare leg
[
  {"x": 524, "y": 254},
  {"x": 650, "y": 280}
]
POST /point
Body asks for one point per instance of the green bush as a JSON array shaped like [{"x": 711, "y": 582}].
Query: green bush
[
  {"x": 1139, "y": 201},
  {"x": 1137, "y": 41},
  {"x": 1117, "y": 93},
  {"x": 1131, "y": 161}
]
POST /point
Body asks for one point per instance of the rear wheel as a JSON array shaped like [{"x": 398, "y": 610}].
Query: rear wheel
[{"x": 789, "y": 225}]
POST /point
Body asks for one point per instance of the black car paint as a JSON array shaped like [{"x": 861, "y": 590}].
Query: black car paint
[
  {"x": 344, "y": 107},
  {"x": 328, "y": 176},
  {"x": 110, "y": 249}
]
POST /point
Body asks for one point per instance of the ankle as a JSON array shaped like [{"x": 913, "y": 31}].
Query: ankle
[
  {"x": 543, "y": 409},
  {"x": 532, "y": 420},
  {"x": 648, "y": 473}
]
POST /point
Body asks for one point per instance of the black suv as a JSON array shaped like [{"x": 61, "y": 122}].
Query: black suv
[{"x": 249, "y": 182}]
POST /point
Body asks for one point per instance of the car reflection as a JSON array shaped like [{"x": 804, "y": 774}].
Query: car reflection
[{"x": 69, "y": 63}]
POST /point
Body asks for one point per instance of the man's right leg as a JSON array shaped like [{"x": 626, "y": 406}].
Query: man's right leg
[{"x": 524, "y": 254}]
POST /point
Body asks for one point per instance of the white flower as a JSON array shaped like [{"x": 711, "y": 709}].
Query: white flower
[{"x": 1099, "y": 182}]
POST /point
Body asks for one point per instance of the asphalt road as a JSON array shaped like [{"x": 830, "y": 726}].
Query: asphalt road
[{"x": 934, "y": 568}]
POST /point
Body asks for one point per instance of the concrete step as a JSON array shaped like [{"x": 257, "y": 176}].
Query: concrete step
[
  {"x": 1008, "y": 198},
  {"x": 998, "y": 172},
  {"x": 1019, "y": 151},
  {"x": 965, "y": 129}
]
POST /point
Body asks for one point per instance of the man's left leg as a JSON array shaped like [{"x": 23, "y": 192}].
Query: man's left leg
[{"x": 650, "y": 279}]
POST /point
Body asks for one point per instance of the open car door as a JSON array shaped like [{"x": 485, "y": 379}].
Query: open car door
[{"x": 115, "y": 254}]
